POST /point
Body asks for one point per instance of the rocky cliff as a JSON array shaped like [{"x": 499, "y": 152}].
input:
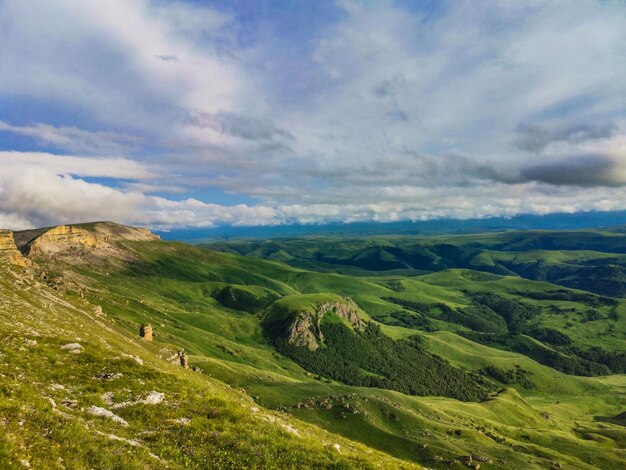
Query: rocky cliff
[
  {"x": 305, "y": 330},
  {"x": 9, "y": 251},
  {"x": 99, "y": 236}
]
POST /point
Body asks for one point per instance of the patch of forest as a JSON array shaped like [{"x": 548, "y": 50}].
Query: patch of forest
[{"x": 372, "y": 359}]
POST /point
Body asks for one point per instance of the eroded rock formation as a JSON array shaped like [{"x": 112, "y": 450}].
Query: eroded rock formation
[
  {"x": 59, "y": 238},
  {"x": 306, "y": 328},
  {"x": 9, "y": 251},
  {"x": 145, "y": 331},
  {"x": 97, "y": 238}
]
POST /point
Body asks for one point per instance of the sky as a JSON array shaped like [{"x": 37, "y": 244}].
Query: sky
[{"x": 172, "y": 114}]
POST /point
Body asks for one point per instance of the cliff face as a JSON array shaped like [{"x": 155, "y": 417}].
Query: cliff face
[
  {"x": 9, "y": 251},
  {"x": 305, "y": 331},
  {"x": 98, "y": 237},
  {"x": 62, "y": 237},
  {"x": 306, "y": 328}
]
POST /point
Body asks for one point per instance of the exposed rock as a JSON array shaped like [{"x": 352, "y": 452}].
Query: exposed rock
[
  {"x": 153, "y": 398},
  {"x": 290, "y": 429},
  {"x": 113, "y": 437},
  {"x": 109, "y": 376},
  {"x": 130, "y": 442},
  {"x": 72, "y": 346},
  {"x": 184, "y": 359},
  {"x": 59, "y": 238},
  {"x": 9, "y": 251},
  {"x": 104, "y": 413},
  {"x": 145, "y": 331},
  {"x": 107, "y": 398},
  {"x": 97, "y": 238},
  {"x": 305, "y": 331},
  {"x": 306, "y": 328}
]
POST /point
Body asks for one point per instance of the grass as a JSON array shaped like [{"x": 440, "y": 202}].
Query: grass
[
  {"x": 46, "y": 392},
  {"x": 172, "y": 286}
]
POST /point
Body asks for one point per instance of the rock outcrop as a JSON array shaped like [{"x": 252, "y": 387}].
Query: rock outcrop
[
  {"x": 145, "y": 331},
  {"x": 95, "y": 237},
  {"x": 9, "y": 251},
  {"x": 62, "y": 237},
  {"x": 305, "y": 330}
]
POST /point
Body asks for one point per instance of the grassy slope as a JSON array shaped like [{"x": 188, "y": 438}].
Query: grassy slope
[
  {"x": 46, "y": 391},
  {"x": 172, "y": 286},
  {"x": 589, "y": 259}
]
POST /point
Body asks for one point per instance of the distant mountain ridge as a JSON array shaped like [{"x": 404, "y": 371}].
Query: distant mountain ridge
[
  {"x": 592, "y": 260},
  {"x": 559, "y": 221}
]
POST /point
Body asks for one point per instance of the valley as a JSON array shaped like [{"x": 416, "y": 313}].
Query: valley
[{"x": 498, "y": 350}]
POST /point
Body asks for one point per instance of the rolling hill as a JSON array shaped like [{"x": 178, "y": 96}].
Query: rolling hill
[{"x": 342, "y": 353}]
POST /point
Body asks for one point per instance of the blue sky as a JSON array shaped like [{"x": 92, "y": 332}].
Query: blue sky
[{"x": 207, "y": 113}]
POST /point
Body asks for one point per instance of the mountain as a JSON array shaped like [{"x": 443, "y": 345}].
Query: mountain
[
  {"x": 555, "y": 221},
  {"x": 326, "y": 361}
]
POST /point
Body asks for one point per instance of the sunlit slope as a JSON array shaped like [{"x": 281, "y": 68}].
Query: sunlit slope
[
  {"x": 592, "y": 260},
  {"x": 174, "y": 286},
  {"x": 79, "y": 390}
]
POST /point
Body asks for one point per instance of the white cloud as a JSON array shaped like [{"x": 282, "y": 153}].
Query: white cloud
[
  {"x": 38, "y": 195},
  {"x": 16, "y": 162},
  {"x": 102, "y": 57},
  {"x": 74, "y": 139},
  {"x": 405, "y": 115}
]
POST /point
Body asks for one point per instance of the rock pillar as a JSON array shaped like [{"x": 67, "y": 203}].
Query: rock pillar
[{"x": 146, "y": 332}]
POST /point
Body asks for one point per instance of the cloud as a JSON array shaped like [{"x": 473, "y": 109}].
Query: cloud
[
  {"x": 167, "y": 57},
  {"x": 244, "y": 127},
  {"x": 373, "y": 111},
  {"x": 533, "y": 138},
  {"x": 16, "y": 162},
  {"x": 588, "y": 170},
  {"x": 579, "y": 155},
  {"x": 44, "y": 189},
  {"x": 100, "y": 58},
  {"x": 74, "y": 139}
]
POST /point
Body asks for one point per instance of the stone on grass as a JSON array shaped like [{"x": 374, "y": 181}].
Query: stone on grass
[
  {"x": 104, "y": 413},
  {"x": 153, "y": 398}
]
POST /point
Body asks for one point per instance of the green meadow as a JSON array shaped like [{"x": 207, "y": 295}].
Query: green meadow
[{"x": 468, "y": 350}]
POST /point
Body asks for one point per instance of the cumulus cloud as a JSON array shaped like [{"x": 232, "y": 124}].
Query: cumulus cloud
[
  {"x": 379, "y": 111},
  {"x": 16, "y": 162},
  {"x": 101, "y": 58},
  {"x": 44, "y": 189}
]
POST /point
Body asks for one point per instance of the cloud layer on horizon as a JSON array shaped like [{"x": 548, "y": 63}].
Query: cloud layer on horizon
[{"x": 169, "y": 114}]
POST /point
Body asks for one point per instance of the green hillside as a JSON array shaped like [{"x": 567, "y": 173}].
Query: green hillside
[
  {"x": 584, "y": 259},
  {"x": 448, "y": 368}
]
